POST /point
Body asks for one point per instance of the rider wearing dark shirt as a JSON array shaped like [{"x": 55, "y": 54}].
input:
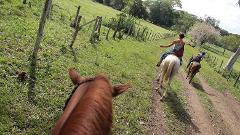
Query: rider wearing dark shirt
[{"x": 197, "y": 58}]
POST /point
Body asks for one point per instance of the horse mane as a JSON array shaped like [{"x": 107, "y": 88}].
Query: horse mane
[{"x": 94, "y": 110}]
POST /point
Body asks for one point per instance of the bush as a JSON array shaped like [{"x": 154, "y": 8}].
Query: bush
[{"x": 123, "y": 21}]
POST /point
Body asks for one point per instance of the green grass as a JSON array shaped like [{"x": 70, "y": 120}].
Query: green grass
[
  {"x": 122, "y": 61},
  {"x": 221, "y": 57}
]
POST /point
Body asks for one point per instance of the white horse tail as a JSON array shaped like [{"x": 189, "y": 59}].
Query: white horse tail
[
  {"x": 169, "y": 68},
  {"x": 168, "y": 74}
]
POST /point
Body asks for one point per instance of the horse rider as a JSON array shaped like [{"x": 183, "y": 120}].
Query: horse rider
[
  {"x": 177, "y": 49},
  {"x": 197, "y": 58}
]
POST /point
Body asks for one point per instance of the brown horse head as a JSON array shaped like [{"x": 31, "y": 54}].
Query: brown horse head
[{"x": 88, "y": 111}]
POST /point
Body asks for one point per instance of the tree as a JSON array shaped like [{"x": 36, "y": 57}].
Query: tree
[
  {"x": 215, "y": 23},
  {"x": 99, "y": 1},
  {"x": 184, "y": 21},
  {"x": 107, "y": 2},
  {"x": 203, "y": 32},
  {"x": 232, "y": 60},
  {"x": 212, "y": 21},
  {"x": 138, "y": 10},
  {"x": 120, "y": 4},
  {"x": 230, "y": 42},
  {"x": 162, "y": 13}
]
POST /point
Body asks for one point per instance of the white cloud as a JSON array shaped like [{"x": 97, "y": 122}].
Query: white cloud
[{"x": 226, "y": 11}]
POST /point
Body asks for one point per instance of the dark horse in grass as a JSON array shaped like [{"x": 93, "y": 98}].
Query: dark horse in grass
[
  {"x": 88, "y": 111},
  {"x": 193, "y": 70}
]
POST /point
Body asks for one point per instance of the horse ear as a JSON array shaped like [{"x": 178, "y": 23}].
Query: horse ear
[
  {"x": 74, "y": 76},
  {"x": 118, "y": 89}
]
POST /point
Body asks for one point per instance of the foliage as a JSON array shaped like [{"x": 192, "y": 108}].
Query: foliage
[
  {"x": 212, "y": 21},
  {"x": 122, "y": 21},
  {"x": 173, "y": 3},
  {"x": 232, "y": 60},
  {"x": 215, "y": 23},
  {"x": 162, "y": 13},
  {"x": 120, "y": 4},
  {"x": 230, "y": 42},
  {"x": 138, "y": 10},
  {"x": 202, "y": 33},
  {"x": 107, "y": 2},
  {"x": 99, "y": 1},
  {"x": 184, "y": 21}
]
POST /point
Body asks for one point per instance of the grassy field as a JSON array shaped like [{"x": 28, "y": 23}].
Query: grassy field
[
  {"x": 220, "y": 57},
  {"x": 122, "y": 61}
]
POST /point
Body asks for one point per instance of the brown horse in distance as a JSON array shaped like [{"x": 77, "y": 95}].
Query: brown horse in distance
[
  {"x": 89, "y": 109},
  {"x": 193, "y": 70}
]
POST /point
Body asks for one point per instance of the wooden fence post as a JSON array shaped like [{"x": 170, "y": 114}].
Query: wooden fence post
[
  {"x": 33, "y": 61},
  {"x": 108, "y": 33},
  {"x": 229, "y": 76},
  {"x": 29, "y": 4},
  {"x": 221, "y": 64},
  {"x": 99, "y": 27},
  {"x": 235, "y": 84},
  {"x": 133, "y": 31},
  {"x": 145, "y": 37},
  {"x": 224, "y": 51},
  {"x": 149, "y": 35},
  {"x": 137, "y": 35},
  {"x": 94, "y": 30},
  {"x": 117, "y": 28},
  {"x": 129, "y": 30},
  {"x": 142, "y": 36},
  {"x": 77, "y": 28},
  {"x": 74, "y": 23},
  {"x": 214, "y": 60}
]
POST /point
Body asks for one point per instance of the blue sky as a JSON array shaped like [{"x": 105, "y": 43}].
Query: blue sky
[{"x": 226, "y": 11}]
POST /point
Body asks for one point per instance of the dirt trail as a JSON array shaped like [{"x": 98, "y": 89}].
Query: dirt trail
[
  {"x": 156, "y": 123},
  {"x": 227, "y": 108},
  {"x": 226, "y": 105},
  {"x": 196, "y": 110}
]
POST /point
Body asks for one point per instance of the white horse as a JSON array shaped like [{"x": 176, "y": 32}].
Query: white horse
[{"x": 168, "y": 68}]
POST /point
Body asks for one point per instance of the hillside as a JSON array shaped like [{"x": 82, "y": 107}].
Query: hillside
[
  {"x": 122, "y": 61},
  {"x": 209, "y": 105}
]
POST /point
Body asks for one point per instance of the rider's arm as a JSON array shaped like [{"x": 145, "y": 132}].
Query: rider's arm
[{"x": 174, "y": 42}]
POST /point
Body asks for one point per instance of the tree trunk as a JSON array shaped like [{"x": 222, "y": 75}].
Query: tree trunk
[{"x": 232, "y": 60}]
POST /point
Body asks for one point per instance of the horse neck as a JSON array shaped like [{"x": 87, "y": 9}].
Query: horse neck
[{"x": 93, "y": 114}]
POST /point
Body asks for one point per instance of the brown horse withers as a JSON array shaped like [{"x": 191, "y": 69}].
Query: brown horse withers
[
  {"x": 89, "y": 109},
  {"x": 193, "y": 70}
]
